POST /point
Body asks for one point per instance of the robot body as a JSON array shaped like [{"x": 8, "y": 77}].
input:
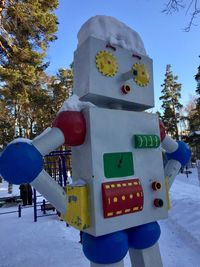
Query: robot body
[{"x": 120, "y": 175}]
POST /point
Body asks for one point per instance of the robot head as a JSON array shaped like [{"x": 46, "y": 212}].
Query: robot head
[{"x": 111, "y": 67}]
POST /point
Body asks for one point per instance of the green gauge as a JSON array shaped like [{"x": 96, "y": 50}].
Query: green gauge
[
  {"x": 118, "y": 164},
  {"x": 146, "y": 141}
]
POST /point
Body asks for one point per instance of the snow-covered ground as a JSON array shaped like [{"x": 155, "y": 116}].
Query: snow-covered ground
[{"x": 49, "y": 243}]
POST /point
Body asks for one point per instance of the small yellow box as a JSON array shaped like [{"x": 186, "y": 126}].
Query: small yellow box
[{"x": 77, "y": 206}]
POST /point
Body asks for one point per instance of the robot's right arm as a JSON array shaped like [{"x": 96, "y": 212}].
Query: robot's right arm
[{"x": 22, "y": 160}]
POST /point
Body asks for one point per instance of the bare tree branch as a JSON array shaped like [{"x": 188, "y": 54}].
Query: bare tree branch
[
  {"x": 192, "y": 8},
  {"x": 173, "y": 6},
  {"x": 195, "y": 13}
]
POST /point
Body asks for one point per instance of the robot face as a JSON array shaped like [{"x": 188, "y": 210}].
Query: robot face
[
  {"x": 108, "y": 72},
  {"x": 106, "y": 75}
]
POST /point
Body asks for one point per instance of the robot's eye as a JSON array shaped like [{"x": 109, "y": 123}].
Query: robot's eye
[
  {"x": 141, "y": 74},
  {"x": 106, "y": 63},
  {"x": 135, "y": 72}
]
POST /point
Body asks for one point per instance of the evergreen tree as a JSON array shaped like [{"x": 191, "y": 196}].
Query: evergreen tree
[
  {"x": 47, "y": 104},
  {"x": 39, "y": 111},
  {"x": 194, "y": 115},
  {"x": 171, "y": 94},
  {"x": 27, "y": 27},
  {"x": 6, "y": 122},
  {"x": 61, "y": 87},
  {"x": 194, "y": 120},
  {"x": 197, "y": 78}
]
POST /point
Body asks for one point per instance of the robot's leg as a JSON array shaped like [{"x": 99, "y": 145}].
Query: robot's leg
[
  {"x": 117, "y": 264},
  {"x": 143, "y": 245},
  {"x": 146, "y": 257},
  {"x": 107, "y": 250}
]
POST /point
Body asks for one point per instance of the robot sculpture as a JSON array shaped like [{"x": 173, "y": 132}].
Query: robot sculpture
[{"x": 120, "y": 186}]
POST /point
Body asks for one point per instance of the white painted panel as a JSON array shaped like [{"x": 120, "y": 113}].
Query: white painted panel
[{"x": 110, "y": 131}]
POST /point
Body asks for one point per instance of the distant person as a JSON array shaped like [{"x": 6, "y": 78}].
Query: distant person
[
  {"x": 29, "y": 194},
  {"x": 10, "y": 188},
  {"x": 23, "y": 194},
  {"x": 81, "y": 237}
]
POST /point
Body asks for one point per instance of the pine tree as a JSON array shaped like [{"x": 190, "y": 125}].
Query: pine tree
[
  {"x": 194, "y": 116},
  {"x": 194, "y": 120},
  {"x": 27, "y": 27},
  {"x": 61, "y": 87},
  {"x": 6, "y": 122},
  {"x": 197, "y": 78},
  {"x": 171, "y": 94},
  {"x": 39, "y": 111},
  {"x": 46, "y": 105}
]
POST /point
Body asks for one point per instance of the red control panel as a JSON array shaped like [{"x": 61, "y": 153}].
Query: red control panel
[{"x": 122, "y": 197}]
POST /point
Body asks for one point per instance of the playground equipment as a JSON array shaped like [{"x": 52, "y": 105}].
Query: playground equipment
[
  {"x": 43, "y": 205},
  {"x": 58, "y": 165},
  {"x": 120, "y": 187}
]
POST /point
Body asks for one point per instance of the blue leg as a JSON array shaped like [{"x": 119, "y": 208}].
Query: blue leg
[
  {"x": 144, "y": 250},
  {"x": 106, "y": 250}
]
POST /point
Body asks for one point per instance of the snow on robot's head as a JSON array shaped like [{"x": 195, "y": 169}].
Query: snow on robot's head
[
  {"x": 111, "y": 67},
  {"x": 112, "y": 31}
]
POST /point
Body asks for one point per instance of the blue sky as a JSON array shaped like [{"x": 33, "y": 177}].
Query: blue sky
[{"x": 163, "y": 37}]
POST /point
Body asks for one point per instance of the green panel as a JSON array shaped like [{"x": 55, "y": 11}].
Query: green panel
[
  {"x": 118, "y": 164},
  {"x": 146, "y": 141}
]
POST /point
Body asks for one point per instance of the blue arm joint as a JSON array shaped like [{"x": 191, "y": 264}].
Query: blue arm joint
[
  {"x": 182, "y": 154},
  {"x": 20, "y": 163}
]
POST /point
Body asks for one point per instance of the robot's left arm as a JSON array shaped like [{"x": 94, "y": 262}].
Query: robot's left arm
[
  {"x": 177, "y": 152},
  {"x": 22, "y": 160}
]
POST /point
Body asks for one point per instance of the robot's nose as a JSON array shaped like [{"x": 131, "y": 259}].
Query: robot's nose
[
  {"x": 127, "y": 75},
  {"x": 125, "y": 89}
]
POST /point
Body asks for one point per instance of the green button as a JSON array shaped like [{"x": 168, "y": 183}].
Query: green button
[
  {"x": 118, "y": 164},
  {"x": 146, "y": 141}
]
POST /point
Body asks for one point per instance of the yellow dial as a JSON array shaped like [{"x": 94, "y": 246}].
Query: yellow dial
[
  {"x": 106, "y": 63},
  {"x": 141, "y": 74}
]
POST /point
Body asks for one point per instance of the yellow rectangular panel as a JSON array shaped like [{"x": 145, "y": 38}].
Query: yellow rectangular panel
[{"x": 77, "y": 206}]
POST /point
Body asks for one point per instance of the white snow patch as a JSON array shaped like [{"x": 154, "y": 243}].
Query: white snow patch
[
  {"x": 49, "y": 243},
  {"x": 79, "y": 182},
  {"x": 113, "y": 31},
  {"x": 74, "y": 104}
]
